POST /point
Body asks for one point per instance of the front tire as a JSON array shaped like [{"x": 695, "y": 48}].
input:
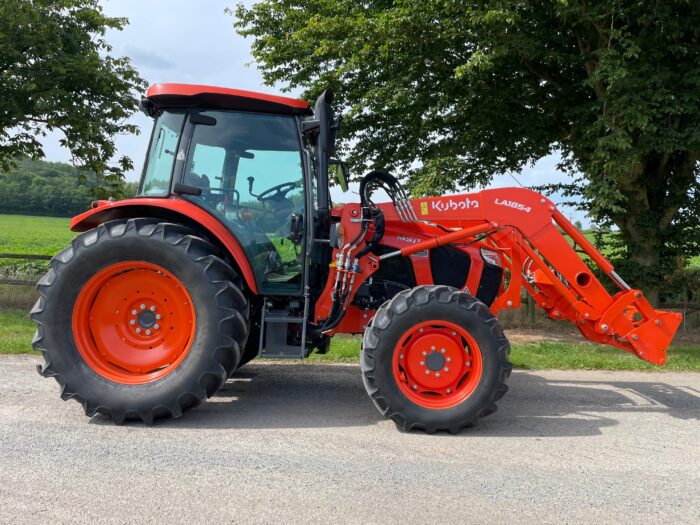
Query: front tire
[
  {"x": 139, "y": 319},
  {"x": 435, "y": 358}
]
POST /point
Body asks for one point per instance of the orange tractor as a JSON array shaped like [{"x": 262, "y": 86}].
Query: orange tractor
[{"x": 232, "y": 250}]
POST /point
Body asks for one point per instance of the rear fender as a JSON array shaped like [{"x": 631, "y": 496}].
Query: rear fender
[{"x": 172, "y": 210}]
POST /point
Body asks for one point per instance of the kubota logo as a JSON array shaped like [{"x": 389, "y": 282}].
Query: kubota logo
[
  {"x": 514, "y": 205},
  {"x": 451, "y": 204}
]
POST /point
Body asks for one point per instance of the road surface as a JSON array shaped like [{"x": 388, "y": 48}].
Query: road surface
[{"x": 302, "y": 443}]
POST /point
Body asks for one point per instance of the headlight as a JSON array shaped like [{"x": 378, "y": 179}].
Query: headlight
[
  {"x": 491, "y": 257},
  {"x": 337, "y": 235}
]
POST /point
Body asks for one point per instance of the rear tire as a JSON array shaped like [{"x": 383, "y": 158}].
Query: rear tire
[
  {"x": 96, "y": 346},
  {"x": 435, "y": 358}
]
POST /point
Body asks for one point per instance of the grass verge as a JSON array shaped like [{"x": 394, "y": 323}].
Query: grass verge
[
  {"x": 16, "y": 333},
  {"x": 563, "y": 355}
]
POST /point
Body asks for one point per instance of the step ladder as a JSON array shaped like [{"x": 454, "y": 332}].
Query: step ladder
[{"x": 275, "y": 325}]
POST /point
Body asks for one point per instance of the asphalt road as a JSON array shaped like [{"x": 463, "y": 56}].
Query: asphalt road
[{"x": 302, "y": 443}]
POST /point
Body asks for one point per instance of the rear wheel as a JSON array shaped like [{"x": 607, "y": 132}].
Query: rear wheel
[
  {"x": 139, "y": 319},
  {"x": 435, "y": 358}
]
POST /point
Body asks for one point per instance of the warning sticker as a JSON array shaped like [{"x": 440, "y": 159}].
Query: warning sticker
[{"x": 424, "y": 208}]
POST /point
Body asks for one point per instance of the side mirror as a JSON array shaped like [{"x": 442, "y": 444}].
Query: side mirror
[{"x": 340, "y": 171}]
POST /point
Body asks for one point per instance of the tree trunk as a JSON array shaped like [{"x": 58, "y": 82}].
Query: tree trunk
[{"x": 654, "y": 193}]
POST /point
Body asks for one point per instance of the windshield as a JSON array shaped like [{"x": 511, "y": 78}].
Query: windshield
[{"x": 155, "y": 181}]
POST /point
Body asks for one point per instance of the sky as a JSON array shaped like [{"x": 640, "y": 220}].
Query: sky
[{"x": 194, "y": 42}]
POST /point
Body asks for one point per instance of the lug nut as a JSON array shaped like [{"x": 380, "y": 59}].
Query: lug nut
[
  {"x": 157, "y": 316},
  {"x": 415, "y": 387},
  {"x": 432, "y": 348},
  {"x": 156, "y": 326},
  {"x": 148, "y": 332},
  {"x": 427, "y": 372},
  {"x": 424, "y": 352},
  {"x": 143, "y": 307},
  {"x": 449, "y": 390},
  {"x": 138, "y": 330},
  {"x": 133, "y": 312},
  {"x": 400, "y": 357},
  {"x": 132, "y": 322},
  {"x": 422, "y": 363},
  {"x": 449, "y": 359},
  {"x": 445, "y": 369},
  {"x": 442, "y": 350},
  {"x": 437, "y": 374},
  {"x": 153, "y": 308},
  {"x": 604, "y": 327}
]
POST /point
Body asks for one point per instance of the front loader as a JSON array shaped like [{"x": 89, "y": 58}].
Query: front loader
[{"x": 233, "y": 250}]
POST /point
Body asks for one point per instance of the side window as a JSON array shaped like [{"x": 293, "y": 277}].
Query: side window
[
  {"x": 206, "y": 167},
  {"x": 271, "y": 169},
  {"x": 155, "y": 181}
]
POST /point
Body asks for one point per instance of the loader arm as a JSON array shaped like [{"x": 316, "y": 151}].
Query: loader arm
[{"x": 529, "y": 232}]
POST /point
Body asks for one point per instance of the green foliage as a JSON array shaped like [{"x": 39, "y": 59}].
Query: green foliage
[
  {"x": 33, "y": 187},
  {"x": 452, "y": 92},
  {"x": 57, "y": 73}
]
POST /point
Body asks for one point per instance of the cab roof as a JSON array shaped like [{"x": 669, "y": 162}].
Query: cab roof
[{"x": 161, "y": 96}]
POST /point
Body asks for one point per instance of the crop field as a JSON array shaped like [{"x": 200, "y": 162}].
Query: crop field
[{"x": 31, "y": 235}]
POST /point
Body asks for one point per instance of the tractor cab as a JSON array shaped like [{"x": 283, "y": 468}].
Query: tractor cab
[{"x": 250, "y": 161}]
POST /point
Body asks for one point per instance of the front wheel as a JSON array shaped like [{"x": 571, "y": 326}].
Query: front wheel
[
  {"x": 435, "y": 358},
  {"x": 139, "y": 319}
]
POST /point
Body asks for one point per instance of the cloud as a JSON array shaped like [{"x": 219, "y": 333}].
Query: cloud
[{"x": 143, "y": 58}]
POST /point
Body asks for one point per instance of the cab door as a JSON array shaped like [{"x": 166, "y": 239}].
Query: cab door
[{"x": 249, "y": 168}]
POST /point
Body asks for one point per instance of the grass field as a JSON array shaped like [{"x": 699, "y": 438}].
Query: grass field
[
  {"x": 16, "y": 335},
  {"x": 27, "y": 234},
  {"x": 31, "y": 235}
]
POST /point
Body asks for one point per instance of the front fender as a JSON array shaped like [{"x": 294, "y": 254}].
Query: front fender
[{"x": 172, "y": 209}]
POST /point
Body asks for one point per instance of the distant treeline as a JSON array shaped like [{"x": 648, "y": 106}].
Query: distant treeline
[{"x": 36, "y": 187}]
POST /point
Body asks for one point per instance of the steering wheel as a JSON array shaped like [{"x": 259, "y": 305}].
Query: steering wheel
[{"x": 277, "y": 192}]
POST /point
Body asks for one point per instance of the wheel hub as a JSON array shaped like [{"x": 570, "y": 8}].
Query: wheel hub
[
  {"x": 435, "y": 361},
  {"x": 437, "y": 364},
  {"x": 146, "y": 318},
  {"x": 133, "y": 322}
]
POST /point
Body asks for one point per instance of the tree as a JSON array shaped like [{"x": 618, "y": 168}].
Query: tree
[
  {"x": 35, "y": 187},
  {"x": 452, "y": 93},
  {"x": 56, "y": 73}
]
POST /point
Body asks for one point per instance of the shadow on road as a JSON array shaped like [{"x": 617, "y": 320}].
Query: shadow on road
[
  {"x": 325, "y": 396},
  {"x": 317, "y": 396}
]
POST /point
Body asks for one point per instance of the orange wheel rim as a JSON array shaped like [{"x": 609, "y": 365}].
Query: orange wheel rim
[
  {"x": 133, "y": 322},
  {"x": 437, "y": 364}
]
